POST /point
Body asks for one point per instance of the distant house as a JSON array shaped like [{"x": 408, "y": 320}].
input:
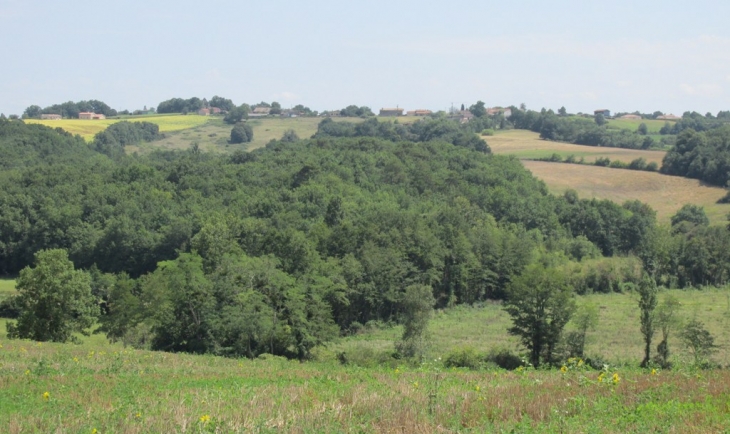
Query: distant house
[
  {"x": 215, "y": 111},
  {"x": 91, "y": 116},
  {"x": 258, "y": 112},
  {"x": 204, "y": 112},
  {"x": 463, "y": 116},
  {"x": 632, "y": 117},
  {"x": 669, "y": 117},
  {"x": 391, "y": 112},
  {"x": 506, "y": 112},
  {"x": 51, "y": 117},
  {"x": 605, "y": 112}
]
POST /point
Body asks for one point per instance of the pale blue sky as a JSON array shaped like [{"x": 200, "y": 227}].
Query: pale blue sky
[{"x": 621, "y": 55}]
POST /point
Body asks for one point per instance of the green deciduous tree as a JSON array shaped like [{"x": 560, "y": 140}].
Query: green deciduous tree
[
  {"x": 666, "y": 320},
  {"x": 699, "y": 341},
  {"x": 55, "y": 300},
  {"x": 540, "y": 303},
  {"x": 647, "y": 304},
  {"x": 242, "y": 133},
  {"x": 417, "y": 307}
]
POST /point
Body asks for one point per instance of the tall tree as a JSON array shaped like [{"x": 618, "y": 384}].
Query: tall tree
[{"x": 647, "y": 304}]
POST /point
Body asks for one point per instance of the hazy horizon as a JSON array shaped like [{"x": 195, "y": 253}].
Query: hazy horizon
[{"x": 623, "y": 56}]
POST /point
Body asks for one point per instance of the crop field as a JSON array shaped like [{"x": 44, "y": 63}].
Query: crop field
[
  {"x": 88, "y": 128},
  {"x": 666, "y": 194},
  {"x": 528, "y": 145},
  {"x": 99, "y": 387}
]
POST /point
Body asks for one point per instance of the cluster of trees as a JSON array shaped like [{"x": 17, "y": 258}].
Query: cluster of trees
[
  {"x": 355, "y": 111},
  {"x": 70, "y": 109},
  {"x": 577, "y": 130},
  {"x": 241, "y": 133},
  {"x": 181, "y": 105},
  {"x": 425, "y": 130},
  {"x": 701, "y": 155},
  {"x": 635, "y": 164},
  {"x": 112, "y": 140}
]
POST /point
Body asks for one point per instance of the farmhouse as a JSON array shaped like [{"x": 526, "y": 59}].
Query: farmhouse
[
  {"x": 391, "y": 112},
  {"x": 51, "y": 117},
  {"x": 632, "y": 117},
  {"x": 91, "y": 115},
  {"x": 258, "y": 112},
  {"x": 204, "y": 112},
  {"x": 669, "y": 117},
  {"x": 506, "y": 112},
  {"x": 605, "y": 112}
]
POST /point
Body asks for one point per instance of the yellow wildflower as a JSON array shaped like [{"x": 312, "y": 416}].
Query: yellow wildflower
[
  {"x": 138, "y": 415},
  {"x": 94, "y": 431},
  {"x": 600, "y": 377},
  {"x": 520, "y": 369},
  {"x": 415, "y": 384},
  {"x": 46, "y": 396},
  {"x": 563, "y": 369},
  {"x": 27, "y": 372},
  {"x": 76, "y": 359},
  {"x": 653, "y": 372},
  {"x": 204, "y": 418},
  {"x": 477, "y": 388},
  {"x": 616, "y": 378},
  {"x": 580, "y": 362}
]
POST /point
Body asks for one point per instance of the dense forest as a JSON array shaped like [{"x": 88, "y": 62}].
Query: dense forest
[
  {"x": 285, "y": 247},
  {"x": 701, "y": 155}
]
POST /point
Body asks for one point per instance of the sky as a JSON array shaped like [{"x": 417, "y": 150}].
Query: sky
[{"x": 620, "y": 55}]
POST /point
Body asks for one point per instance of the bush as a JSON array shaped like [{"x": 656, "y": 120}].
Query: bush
[
  {"x": 242, "y": 133},
  {"x": 465, "y": 357},
  {"x": 505, "y": 359},
  {"x": 616, "y": 164},
  {"x": 488, "y": 132},
  {"x": 366, "y": 357},
  {"x": 9, "y": 308},
  {"x": 602, "y": 161}
]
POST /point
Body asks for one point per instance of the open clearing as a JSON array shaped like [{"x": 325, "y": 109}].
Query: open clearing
[
  {"x": 528, "y": 145},
  {"x": 7, "y": 288},
  {"x": 98, "y": 386},
  {"x": 652, "y": 125},
  {"x": 666, "y": 194}
]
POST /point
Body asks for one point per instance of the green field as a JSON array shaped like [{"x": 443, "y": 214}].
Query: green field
[
  {"x": 666, "y": 194},
  {"x": 97, "y": 386},
  {"x": 7, "y": 288},
  {"x": 653, "y": 126}
]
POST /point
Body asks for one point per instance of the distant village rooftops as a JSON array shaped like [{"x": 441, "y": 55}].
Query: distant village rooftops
[{"x": 91, "y": 116}]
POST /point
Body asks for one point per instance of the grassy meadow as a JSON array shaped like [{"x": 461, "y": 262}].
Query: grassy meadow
[
  {"x": 652, "y": 125},
  {"x": 103, "y": 388}
]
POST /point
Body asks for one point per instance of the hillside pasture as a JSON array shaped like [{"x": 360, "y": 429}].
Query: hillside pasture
[
  {"x": 652, "y": 125},
  {"x": 527, "y": 145},
  {"x": 666, "y": 194}
]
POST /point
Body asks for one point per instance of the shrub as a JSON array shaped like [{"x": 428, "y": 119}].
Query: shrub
[
  {"x": 602, "y": 161},
  {"x": 488, "y": 132},
  {"x": 616, "y": 164},
  {"x": 366, "y": 357},
  {"x": 466, "y": 357},
  {"x": 505, "y": 358}
]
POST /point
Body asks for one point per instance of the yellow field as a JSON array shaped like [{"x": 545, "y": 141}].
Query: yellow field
[
  {"x": 666, "y": 194},
  {"x": 88, "y": 128},
  {"x": 526, "y": 144}
]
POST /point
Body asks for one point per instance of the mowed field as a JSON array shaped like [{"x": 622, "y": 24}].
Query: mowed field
[
  {"x": 652, "y": 125},
  {"x": 528, "y": 145},
  {"x": 88, "y": 128},
  {"x": 666, "y": 194}
]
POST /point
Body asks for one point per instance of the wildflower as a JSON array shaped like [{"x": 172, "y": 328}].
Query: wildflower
[
  {"x": 27, "y": 372},
  {"x": 94, "y": 431},
  {"x": 520, "y": 369},
  {"x": 138, "y": 415},
  {"x": 415, "y": 384},
  {"x": 204, "y": 418},
  {"x": 580, "y": 362},
  {"x": 46, "y": 396},
  {"x": 563, "y": 369},
  {"x": 397, "y": 371},
  {"x": 653, "y": 372},
  {"x": 1, "y": 345},
  {"x": 76, "y": 359},
  {"x": 616, "y": 378},
  {"x": 478, "y": 388},
  {"x": 600, "y": 377}
]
